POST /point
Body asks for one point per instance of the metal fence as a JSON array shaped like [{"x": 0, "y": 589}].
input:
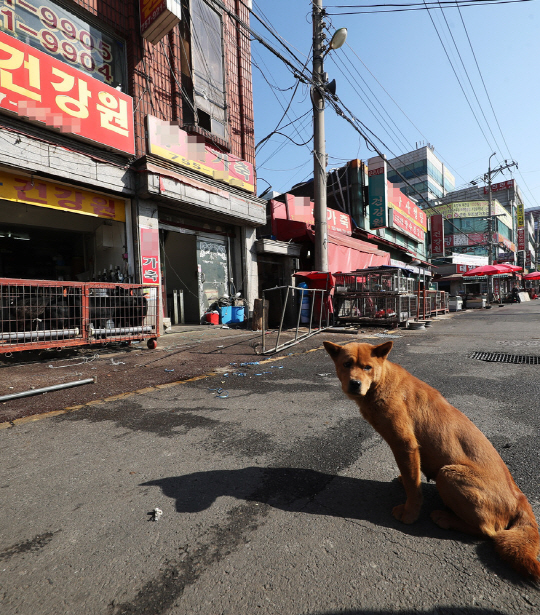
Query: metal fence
[
  {"x": 376, "y": 308},
  {"x": 387, "y": 308},
  {"x": 36, "y": 314},
  {"x": 311, "y": 314}
]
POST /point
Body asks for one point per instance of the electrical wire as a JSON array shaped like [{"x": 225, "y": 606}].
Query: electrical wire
[{"x": 415, "y": 7}]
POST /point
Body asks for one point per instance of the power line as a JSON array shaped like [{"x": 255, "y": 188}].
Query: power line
[
  {"x": 461, "y": 3},
  {"x": 458, "y": 79}
]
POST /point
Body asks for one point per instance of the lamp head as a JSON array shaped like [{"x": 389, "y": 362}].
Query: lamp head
[{"x": 338, "y": 39}]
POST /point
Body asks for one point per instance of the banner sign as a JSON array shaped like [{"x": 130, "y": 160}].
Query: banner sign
[
  {"x": 472, "y": 209},
  {"x": 521, "y": 238},
  {"x": 168, "y": 141},
  {"x": 528, "y": 258},
  {"x": 521, "y": 259},
  {"x": 505, "y": 257},
  {"x": 35, "y": 191},
  {"x": 300, "y": 208},
  {"x": 397, "y": 220},
  {"x": 158, "y": 18},
  {"x": 476, "y": 239},
  {"x": 50, "y": 28},
  {"x": 464, "y": 268},
  {"x": 500, "y": 186},
  {"x": 407, "y": 208},
  {"x": 378, "y": 192},
  {"x": 520, "y": 210},
  {"x": 47, "y": 91},
  {"x": 150, "y": 256},
  {"x": 437, "y": 235}
]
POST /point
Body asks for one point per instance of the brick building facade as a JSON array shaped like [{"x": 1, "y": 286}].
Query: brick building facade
[{"x": 182, "y": 219}]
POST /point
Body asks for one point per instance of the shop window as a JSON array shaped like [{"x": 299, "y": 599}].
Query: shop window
[
  {"x": 205, "y": 77},
  {"x": 69, "y": 37}
]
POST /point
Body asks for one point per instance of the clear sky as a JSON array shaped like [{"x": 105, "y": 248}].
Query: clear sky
[{"x": 395, "y": 76}]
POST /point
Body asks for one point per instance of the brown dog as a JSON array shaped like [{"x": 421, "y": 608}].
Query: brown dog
[{"x": 427, "y": 434}]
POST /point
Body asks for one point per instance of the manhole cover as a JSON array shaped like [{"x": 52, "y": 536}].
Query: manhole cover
[{"x": 500, "y": 357}]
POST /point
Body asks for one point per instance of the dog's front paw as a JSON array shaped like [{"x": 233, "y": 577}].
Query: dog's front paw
[
  {"x": 441, "y": 518},
  {"x": 404, "y": 514}
]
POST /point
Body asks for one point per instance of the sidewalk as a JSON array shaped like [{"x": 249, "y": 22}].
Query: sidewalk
[
  {"x": 185, "y": 353},
  {"x": 189, "y": 352}
]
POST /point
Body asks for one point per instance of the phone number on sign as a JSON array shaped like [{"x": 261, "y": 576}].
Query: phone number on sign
[{"x": 61, "y": 37}]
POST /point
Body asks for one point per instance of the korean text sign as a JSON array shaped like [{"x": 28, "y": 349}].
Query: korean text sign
[
  {"x": 377, "y": 188},
  {"x": 397, "y": 220},
  {"x": 150, "y": 10},
  {"x": 168, "y": 141},
  {"x": 520, "y": 211},
  {"x": 521, "y": 238},
  {"x": 301, "y": 208},
  {"x": 35, "y": 191},
  {"x": 50, "y": 28},
  {"x": 507, "y": 185},
  {"x": 45, "y": 90},
  {"x": 437, "y": 235},
  {"x": 150, "y": 255}
]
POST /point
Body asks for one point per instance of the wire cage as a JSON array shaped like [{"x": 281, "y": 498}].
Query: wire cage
[
  {"x": 36, "y": 314},
  {"x": 385, "y": 296}
]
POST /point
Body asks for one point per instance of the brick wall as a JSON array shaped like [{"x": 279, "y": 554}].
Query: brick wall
[{"x": 155, "y": 71}]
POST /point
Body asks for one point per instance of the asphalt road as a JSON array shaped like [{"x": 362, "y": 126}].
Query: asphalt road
[{"x": 276, "y": 496}]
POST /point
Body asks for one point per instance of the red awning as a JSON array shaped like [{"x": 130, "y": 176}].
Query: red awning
[
  {"x": 348, "y": 254},
  {"x": 344, "y": 253}
]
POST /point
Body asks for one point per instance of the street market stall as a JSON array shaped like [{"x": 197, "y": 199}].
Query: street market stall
[
  {"x": 386, "y": 296},
  {"x": 498, "y": 281}
]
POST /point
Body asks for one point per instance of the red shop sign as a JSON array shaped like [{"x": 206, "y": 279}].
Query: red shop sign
[
  {"x": 150, "y": 255},
  {"x": 47, "y": 91}
]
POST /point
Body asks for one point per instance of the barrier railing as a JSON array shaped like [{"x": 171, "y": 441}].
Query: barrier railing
[
  {"x": 321, "y": 305},
  {"x": 40, "y": 314}
]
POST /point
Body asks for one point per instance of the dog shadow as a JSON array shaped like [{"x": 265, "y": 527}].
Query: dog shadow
[
  {"x": 303, "y": 490},
  {"x": 318, "y": 493}
]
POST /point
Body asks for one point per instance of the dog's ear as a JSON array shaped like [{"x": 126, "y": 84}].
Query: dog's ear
[
  {"x": 332, "y": 349},
  {"x": 381, "y": 351}
]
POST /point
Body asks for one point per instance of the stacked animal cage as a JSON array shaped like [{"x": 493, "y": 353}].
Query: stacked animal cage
[
  {"x": 38, "y": 314},
  {"x": 388, "y": 296}
]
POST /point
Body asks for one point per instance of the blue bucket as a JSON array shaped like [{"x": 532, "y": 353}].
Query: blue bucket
[
  {"x": 237, "y": 314},
  {"x": 225, "y": 314}
]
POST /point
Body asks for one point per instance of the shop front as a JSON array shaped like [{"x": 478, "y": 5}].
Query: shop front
[
  {"x": 56, "y": 231},
  {"x": 199, "y": 204}
]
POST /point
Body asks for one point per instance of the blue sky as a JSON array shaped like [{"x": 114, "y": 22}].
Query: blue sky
[{"x": 394, "y": 75}]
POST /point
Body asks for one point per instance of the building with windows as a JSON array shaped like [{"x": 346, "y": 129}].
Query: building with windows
[
  {"x": 466, "y": 229},
  {"x": 425, "y": 173},
  {"x": 507, "y": 193},
  {"x": 128, "y": 146},
  {"x": 401, "y": 237}
]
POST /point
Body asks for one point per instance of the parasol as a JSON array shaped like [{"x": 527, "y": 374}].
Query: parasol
[{"x": 488, "y": 270}]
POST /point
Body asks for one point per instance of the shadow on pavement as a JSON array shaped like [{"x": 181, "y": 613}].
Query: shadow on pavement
[
  {"x": 442, "y": 610},
  {"x": 317, "y": 493}
]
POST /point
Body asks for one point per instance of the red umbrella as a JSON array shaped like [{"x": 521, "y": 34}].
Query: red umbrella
[
  {"x": 511, "y": 268},
  {"x": 487, "y": 270},
  {"x": 535, "y": 275}
]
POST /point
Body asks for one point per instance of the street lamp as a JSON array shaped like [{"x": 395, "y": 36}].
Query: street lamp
[
  {"x": 338, "y": 40},
  {"x": 319, "y": 145}
]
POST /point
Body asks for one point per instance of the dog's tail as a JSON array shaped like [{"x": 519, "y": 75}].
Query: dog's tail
[{"x": 519, "y": 544}]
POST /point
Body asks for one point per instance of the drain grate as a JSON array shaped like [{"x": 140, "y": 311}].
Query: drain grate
[{"x": 500, "y": 357}]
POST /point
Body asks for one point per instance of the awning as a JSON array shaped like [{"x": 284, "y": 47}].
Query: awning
[
  {"x": 348, "y": 254},
  {"x": 344, "y": 253},
  {"x": 453, "y": 277}
]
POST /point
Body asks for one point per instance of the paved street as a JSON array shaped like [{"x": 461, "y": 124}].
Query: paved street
[{"x": 276, "y": 496}]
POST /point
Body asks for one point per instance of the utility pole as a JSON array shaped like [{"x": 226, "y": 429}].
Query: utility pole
[
  {"x": 490, "y": 213},
  {"x": 487, "y": 178},
  {"x": 319, "y": 145}
]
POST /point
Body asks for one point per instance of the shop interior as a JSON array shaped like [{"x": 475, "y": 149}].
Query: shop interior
[{"x": 47, "y": 244}]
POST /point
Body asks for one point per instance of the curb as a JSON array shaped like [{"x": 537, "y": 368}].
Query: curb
[{"x": 37, "y": 417}]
